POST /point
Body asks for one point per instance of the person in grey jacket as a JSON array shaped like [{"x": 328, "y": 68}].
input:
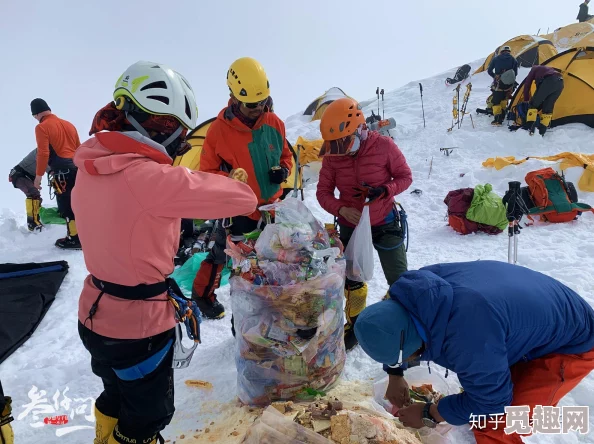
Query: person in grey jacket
[{"x": 22, "y": 176}]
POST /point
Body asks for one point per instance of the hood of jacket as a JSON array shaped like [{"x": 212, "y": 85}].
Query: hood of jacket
[
  {"x": 115, "y": 151},
  {"x": 429, "y": 298}
]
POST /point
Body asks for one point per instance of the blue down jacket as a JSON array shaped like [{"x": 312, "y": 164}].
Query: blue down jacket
[{"x": 481, "y": 317}]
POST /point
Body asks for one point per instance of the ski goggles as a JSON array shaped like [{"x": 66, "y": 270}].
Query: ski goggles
[{"x": 256, "y": 104}]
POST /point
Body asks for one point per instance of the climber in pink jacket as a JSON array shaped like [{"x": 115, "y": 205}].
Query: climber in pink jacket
[
  {"x": 129, "y": 201},
  {"x": 362, "y": 163}
]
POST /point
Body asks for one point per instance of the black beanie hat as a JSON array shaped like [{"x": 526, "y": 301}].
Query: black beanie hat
[{"x": 39, "y": 106}]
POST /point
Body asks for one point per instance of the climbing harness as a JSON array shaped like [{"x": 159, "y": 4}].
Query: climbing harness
[
  {"x": 403, "y": 219},
  {"x": 186, "y": 312}
]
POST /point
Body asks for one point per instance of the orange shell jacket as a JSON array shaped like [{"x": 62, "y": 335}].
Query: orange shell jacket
[
  {"x": 230, "y": 144},
  {"x": 55, "y": 137}
]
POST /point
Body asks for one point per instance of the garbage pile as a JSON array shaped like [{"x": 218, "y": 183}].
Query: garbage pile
[
  {"x": 287, "y": 296},
  {"x": 326, "y": 421}
]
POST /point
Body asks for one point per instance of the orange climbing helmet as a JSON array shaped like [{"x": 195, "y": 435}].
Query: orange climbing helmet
[{"x": 341, "y": 118}]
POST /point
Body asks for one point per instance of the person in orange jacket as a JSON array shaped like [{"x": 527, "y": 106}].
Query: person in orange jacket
[
  {"x": 57, "y": 140},
  {"x": 247, "y": 141}
]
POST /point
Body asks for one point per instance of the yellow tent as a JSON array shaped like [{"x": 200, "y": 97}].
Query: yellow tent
[
  {"x": 573, "y": 35},
  {"x": 306, "y": 151},
  {"x": 318, "y": 106},
  {"x": 195, "y": 138},
  {"x": 527, "y": 49},
  {"x": 576, "y": 103}
]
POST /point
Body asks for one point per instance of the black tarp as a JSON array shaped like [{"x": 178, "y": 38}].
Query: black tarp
[{"x": 26, "y": 293}]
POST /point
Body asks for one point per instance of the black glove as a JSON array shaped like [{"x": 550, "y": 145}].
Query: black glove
[
  {"x": 278, "y": 175},
  {"x": 371, "y": 193}
]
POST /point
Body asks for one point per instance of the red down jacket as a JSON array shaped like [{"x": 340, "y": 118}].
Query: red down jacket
[{"x": 379, "y": 161}]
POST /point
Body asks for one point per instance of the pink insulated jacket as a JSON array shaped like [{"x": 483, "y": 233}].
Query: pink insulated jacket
[
  {"x": 378, "y": 162},
  {"x": 128, "y": 202}
]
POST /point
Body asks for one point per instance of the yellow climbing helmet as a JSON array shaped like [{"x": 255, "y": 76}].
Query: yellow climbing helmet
[{"x": 247, "y": 80}]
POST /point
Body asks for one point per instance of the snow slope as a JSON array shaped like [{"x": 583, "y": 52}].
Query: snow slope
[{"x": 54, "y": 358}]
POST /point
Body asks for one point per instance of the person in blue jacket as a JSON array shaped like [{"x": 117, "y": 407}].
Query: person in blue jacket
[
  {"x": 512, "y": 335},
  {"x": 504, "y": 70}
]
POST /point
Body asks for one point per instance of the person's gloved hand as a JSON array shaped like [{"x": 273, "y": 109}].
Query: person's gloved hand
[
  {"x": 239, "y": 174},
  {"x": 278, "y": 175},
  {"x": 372, "y": 193}
]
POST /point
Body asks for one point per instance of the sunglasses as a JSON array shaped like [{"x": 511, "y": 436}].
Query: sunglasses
[
  {"x": 256, "y": 104},
  {"x": 400, "y": 360}
]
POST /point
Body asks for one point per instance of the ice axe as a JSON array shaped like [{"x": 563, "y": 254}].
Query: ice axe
[{"x": 422, "y": 106}]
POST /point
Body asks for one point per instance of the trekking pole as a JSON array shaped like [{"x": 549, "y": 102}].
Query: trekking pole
[
  {"x": 297, "y": 173},
  {"x": 383, "y": 106},
  {"x": 377, "y": 93},
  {"x": 422, "y": 106},
  {"x": 513, "y": 214}
]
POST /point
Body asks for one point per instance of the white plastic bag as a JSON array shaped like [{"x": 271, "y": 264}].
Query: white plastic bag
[
  {"x": 418, "y": 376},
  {"x": 359, "y": 251}
]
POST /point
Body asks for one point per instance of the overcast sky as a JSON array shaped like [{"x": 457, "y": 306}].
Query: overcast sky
[{"x": 71, "y": 52}]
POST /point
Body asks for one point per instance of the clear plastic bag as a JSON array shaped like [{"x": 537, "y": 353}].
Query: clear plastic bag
[
  {"x": 273, "y": 428},
  {"x": 359, "y": 251},
  {"x": 275, "y": 359}
]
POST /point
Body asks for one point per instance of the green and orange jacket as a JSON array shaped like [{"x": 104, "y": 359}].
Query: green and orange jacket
[{"x": 230, "y": 144}]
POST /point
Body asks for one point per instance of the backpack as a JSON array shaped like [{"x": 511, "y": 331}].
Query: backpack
[
  {"x": 518, "y": 114},
  {"x": 461, "y": 74},
  {"x": 508, "y": 77},
  {"x": 554, "y": 199},
  {"x": 458, "y": 202}
]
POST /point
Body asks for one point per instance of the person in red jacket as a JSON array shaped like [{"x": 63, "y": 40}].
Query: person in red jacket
[
  {"x": 362, "y": 163},
  {"x": 549, "y": 86},
  {"x": 247, "y": 142},
  {"x": 57, "y": 141}
]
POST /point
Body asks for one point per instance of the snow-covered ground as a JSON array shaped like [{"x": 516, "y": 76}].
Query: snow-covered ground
[{"x": 54, "y": 360}]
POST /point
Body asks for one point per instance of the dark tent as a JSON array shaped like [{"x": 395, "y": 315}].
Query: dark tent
[{"x": 26, "y": 293}]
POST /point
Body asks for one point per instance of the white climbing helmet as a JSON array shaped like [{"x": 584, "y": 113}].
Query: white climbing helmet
[{"x": 157, "y": 89}]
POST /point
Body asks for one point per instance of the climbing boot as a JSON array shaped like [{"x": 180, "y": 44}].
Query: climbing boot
[
  {"x": 71, "y": 241},
  {"x": 33, "y": 206},
  {"x": 158, "y": 439},
  {"x": 356, "y": 300},
  {"x": 545, "y": 121},
  {"x": 210, "y": 307},
  {"x": 104, "y": 426},
  {"x": 498, "y": 115},
  {"x": 6, "y": 432}
]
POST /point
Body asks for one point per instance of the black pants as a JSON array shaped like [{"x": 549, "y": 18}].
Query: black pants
[
  {"x": 24, "y": 182},
  {"x": 547, "y": 94},
  {"x": 501, "y": 93},
  {"x": 388, "y": 242},
  {"x": 66, "y": 179},
  {"x": 143, "y": 406}
]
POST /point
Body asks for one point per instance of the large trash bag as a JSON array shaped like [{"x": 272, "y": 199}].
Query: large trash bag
[
  {"x": 288, "y": 306},
  {"x": 487, "y": 207}
]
